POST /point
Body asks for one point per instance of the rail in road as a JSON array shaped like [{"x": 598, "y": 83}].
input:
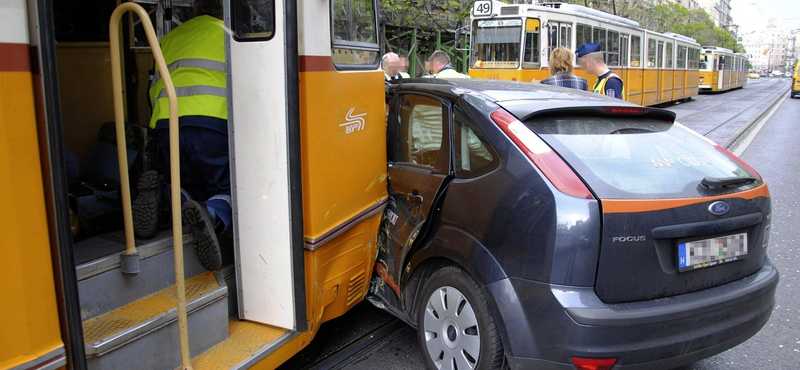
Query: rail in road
[{"x": 724, "y": 117}]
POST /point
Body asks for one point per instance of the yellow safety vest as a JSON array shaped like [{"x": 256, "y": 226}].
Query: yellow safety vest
[
  {"x": 600, "y": 85},
  {"x": 195, "y": 56}
]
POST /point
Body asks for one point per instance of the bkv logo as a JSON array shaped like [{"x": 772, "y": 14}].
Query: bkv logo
[{"x": 353, "y": 122}]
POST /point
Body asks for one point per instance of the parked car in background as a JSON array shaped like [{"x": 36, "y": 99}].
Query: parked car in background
[
  {"x": 752, "y": 75},
  {"x": 534, "y": 226}
]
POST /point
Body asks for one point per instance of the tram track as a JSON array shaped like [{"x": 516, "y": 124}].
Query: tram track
[
  {"x": 692, "y": 114},
  {"x": 737, "y": 115},
  {"x": 350, "y": 352}
]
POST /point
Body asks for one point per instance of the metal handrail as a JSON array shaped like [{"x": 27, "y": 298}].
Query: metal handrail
[{"x": 177, "y": 229}]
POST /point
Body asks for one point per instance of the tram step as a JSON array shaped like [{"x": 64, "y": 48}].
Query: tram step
[
  {"x": 249, "y": 342},
  {"x": 144, "y": 334},
  {"x": 103, "y": 287}
]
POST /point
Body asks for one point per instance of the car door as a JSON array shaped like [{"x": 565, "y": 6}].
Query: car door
[{"x": 419, "y": 164}]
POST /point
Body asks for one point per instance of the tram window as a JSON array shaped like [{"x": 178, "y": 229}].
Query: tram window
[
  {"x": 660, "y": 55},
  {"x": 553, "y": 42},
  {"x": 651, "y": 53},
  {"x": 253, "y": 20},
  {"x": 623, "y": 50},
  {"x": 636, "y": 51},
  {"x": 496, "y": 43},
  {"x": 670, "y": 57},
  {"x": 355, "y": 39},
  {"x": 681, "y": 57},
  {"x": 613, "y": 48},
  {"x": 583, "y": 34},
  {"x": 599, "y": 36},
  {"x": 694, "y": 58},
  {"x": 566, "y": 36},
  {"x": 531, "y": 58}
]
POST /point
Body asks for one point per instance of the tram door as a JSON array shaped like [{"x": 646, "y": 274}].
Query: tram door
[
  {"x": 719, "y": 62},
  {"x": 261, "y": 168},
  {"x": 660, "y": 73}
]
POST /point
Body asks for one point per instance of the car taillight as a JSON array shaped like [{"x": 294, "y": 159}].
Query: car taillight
[
  {"x": 542, "y": 156},
  {"x": 722, "y": 150},
  {"x": 625, "y": 110},
  {"x": 593, "y": 363}
]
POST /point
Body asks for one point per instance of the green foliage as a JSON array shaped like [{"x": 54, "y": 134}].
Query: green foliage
[{"x": 438, "y": 14}]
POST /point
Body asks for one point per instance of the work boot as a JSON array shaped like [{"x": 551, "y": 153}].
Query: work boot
[
  {"x": 206, "y": 246},
  {"x": 145, "y": 207}
]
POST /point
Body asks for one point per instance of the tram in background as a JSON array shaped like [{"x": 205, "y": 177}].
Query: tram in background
[
  {"x": 721, "y": 69},
  {"x": 513, "y": 42},
  {"x": 306, "y": 99}
]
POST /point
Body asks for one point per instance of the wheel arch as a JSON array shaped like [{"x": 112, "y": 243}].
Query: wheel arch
[{"x": 448, "y": 247}]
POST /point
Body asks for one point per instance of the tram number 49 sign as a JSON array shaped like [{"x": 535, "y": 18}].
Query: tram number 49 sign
[{"x": 482, "y": 7}]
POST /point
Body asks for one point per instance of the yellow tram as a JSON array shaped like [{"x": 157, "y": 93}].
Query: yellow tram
[
  {"x": 513, "y": 42},
  {"x": 721, "y": 69},
  {"x": 306, "y": 99}
]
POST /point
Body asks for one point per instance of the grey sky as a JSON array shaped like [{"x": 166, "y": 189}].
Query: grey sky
[{"x": 753, "y": 15}]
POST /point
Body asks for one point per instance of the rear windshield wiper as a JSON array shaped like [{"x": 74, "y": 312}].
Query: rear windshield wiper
[{"x": 718, "y": 182}]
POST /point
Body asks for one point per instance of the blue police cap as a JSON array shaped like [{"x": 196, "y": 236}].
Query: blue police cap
[{"x": 587, "y": 48}]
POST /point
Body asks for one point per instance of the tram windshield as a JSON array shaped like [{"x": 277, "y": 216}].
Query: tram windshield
[
  {"x": 704, "y": 62},
  {"x": 496, "y": 43}
]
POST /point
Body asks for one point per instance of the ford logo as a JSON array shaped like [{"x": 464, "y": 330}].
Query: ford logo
[{"x": 719, "y": 208}]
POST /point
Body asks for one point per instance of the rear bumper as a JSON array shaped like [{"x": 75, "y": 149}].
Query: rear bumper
[{"x": 549, "y": 324}]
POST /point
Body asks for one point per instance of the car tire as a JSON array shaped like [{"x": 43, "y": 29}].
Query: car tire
[{"x": 455, "y": 326}]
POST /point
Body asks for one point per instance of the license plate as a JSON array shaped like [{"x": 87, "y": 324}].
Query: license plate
[{"x": 711, "y": 252}]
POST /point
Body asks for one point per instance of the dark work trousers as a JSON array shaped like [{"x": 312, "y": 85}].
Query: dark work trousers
[{"x": 205, "y": 164}]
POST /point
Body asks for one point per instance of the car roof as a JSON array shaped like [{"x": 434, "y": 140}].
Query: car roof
[{"x": 522, "y": 99}]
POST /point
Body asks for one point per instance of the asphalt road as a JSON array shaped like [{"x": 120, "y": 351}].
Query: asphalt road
[{"x": 774, "y": 152}]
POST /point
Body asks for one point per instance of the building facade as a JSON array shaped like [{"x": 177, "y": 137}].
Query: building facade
[{"x": 772, "y": 48}]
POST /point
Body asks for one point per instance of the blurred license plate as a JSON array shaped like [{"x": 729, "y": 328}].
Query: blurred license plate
[{"x": 711, "y": 252}]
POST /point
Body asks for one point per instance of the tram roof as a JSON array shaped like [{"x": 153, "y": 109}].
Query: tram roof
[{"x": 582, "y": 11}]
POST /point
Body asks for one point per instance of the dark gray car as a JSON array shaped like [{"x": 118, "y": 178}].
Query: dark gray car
[{"x": 536, "y": 227}]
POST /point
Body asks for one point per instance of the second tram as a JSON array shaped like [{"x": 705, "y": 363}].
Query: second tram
[
  {"x": 721, "y": 69},
  {"x": 513, "y": 42}
]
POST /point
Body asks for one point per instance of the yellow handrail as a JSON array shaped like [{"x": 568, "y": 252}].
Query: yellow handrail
[{"x": 177, "y": 229}]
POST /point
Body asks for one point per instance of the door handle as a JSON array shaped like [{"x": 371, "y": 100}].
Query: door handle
[{"x": 414, "y": 197}]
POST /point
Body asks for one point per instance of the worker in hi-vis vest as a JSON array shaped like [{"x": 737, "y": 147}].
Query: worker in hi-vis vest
[
  {"x": 608, "y": 83},
  {"x": 195, "y": 56}
]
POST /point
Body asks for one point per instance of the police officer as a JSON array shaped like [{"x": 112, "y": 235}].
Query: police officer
[
  {"x": 440, "y": 62},
  {"x": 608, "y": 83},
  {"x": 195, "y": 56}
]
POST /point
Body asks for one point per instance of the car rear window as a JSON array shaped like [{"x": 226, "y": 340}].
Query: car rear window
[{"x": 638, "y": 158}]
